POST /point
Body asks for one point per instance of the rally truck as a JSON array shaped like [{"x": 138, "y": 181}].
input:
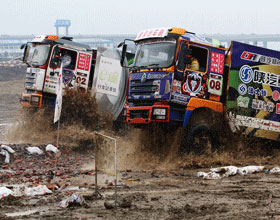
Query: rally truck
[
  {"x": 240, "y": 83},
  {"x": 95, "y": 70}
]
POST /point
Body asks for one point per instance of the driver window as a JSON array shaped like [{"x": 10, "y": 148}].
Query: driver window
[
  {"x": 199, "y": 59},
  {"x": 69, "y": 57}
]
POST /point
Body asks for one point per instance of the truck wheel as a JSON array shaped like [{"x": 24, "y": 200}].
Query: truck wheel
[{"x": 201, "y": 139}]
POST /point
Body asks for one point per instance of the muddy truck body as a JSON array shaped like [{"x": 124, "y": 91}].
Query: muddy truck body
[
  {"x": 180, "y": 79},
  {"x": 93, "y": 70}
]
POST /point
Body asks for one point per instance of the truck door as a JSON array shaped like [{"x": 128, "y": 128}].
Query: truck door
[
  {"x": 194, "y": 82},
  {"x": 75, "y": 72}
]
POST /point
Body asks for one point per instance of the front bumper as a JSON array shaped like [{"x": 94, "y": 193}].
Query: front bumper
[
  {"x": 147, "y": 114},
  {"x": 31, "y": 100}
]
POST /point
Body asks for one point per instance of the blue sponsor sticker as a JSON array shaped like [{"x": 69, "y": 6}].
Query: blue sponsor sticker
[
  {"x": 68, "y": 76},
  {"x": 246, "y": 74},
  {"x": 242, "y": 89}
]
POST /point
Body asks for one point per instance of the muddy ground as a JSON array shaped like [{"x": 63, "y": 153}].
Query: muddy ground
[{"x": 149, "y": 186}]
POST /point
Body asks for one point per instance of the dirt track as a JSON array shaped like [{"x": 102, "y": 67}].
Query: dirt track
[
  {"x": 144, "y": 192},
  {"x": 9, "y": 101}
]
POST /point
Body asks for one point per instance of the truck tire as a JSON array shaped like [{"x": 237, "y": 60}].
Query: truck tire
[
  {"x": 201, "y": 139},
  {"x": 201, "y": 135}
]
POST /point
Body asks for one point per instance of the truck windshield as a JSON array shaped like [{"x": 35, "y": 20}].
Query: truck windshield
[
  {"x": 37, "y": 54},
  {"x": 155, "y": 53}
]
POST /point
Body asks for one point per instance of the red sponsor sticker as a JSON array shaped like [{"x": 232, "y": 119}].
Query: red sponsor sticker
[
  {"x": 84, "y": 61},
  {"x": 278, "y": 108},
  {"x": 275, "y": 95},
  {"x": 217, "y": 62},
  {"x": 158, "y": 32}
]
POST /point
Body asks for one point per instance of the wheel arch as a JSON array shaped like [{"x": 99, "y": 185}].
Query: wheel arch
[{"x": 200, "y": 114}]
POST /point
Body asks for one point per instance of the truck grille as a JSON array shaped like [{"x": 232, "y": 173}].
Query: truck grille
[
  {"x": 142, "y": 88},
  {"x": 139, "y": 114},
  {"x": 29, "y": 80}
]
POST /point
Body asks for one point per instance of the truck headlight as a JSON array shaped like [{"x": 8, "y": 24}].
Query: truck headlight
[
  {"x": 159, "y": 111},
  {"x": 35, "y": 100}
]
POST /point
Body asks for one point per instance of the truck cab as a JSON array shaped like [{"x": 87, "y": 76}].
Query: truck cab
[
  {"x": 174, "y": 73},
  {"x": 43, "y": 57}
]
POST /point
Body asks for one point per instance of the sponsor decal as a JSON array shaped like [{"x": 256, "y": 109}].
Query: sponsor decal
[
  {"x": 84, "y": 61},
  {"x": 254, "y": 57},
  {"x": 108, "y": 76},
  {"x": 246, "y": 74},
  {"x": 107, "y": 88},
  {"x": 176, "y": 83},
  {"x": 193, "y": 83},
  {"x": 262, "y": 105},
  {"x": 82, "y": 74},
  {"x": 278, "y": 108},
  {"x": 242, "y": 89},
  {"x": 257, "y": 91},
  {"x": 179, "y": 98},
  {"x": 68, "y": 76},
  {"x": 143, "y": 78},
  {"x": 179, "y": 89},
  {"x": 243, "y": 102},
  {"x": 257, "y": 123},
  {"x": 157, "y": 32},
  {"x": 176, "y": 86},
  {"x": 217, "y": 63},
  {"x": 154, "y": 76},
  {"x": 275, "y": 95},
  {"x": 270, "y": 79}
]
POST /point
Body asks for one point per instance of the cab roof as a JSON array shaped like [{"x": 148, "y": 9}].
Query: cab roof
[
  {"x": 179, "y": 32},
  {"x": 55, "y": 39}
]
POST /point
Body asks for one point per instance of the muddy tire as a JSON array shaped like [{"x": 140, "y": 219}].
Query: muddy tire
[
  {"x": 201, "y": 139},
  {"x": 202, "y": 135}
]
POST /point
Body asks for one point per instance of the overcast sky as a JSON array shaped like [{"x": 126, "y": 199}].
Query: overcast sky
[{"x": 20, "y": 17}]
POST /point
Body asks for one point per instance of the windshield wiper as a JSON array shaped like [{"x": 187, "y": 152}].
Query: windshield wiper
[
  {"x": 147, "y": 66},
  {"x": 153, "y": 64}
]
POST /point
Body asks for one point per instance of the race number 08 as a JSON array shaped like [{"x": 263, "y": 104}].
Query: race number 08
[{"x": 215, "y": 85}]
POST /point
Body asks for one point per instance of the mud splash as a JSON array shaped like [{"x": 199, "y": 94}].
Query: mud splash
[
  {"x": 158, "y": 149},
  {"x": 79, "y": 120},
  {"x": 153, "y": 147}
]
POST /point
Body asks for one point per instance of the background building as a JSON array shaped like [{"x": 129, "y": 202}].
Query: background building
[{"x": 10, "y": 44}]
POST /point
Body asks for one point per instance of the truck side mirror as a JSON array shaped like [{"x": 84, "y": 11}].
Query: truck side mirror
[
  {"x": 128, "y": 49},
  {"x": 55, "y": 58},
  {"x": 184, "y": 57},
  {"x": 124, "y": 49},
  {"x": 26, "y": 52}
]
